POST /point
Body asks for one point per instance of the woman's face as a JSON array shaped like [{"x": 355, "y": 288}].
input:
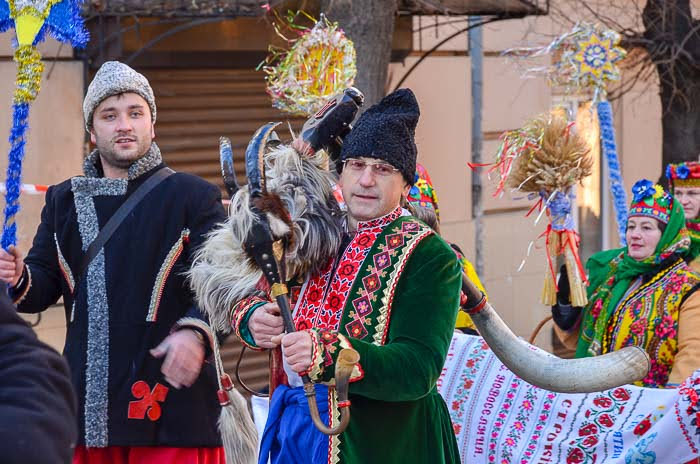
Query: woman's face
[
  {"x": 689, "y": 197},
  {"x": 643, "y": 234}
]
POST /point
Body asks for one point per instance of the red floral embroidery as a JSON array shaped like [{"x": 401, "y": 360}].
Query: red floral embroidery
[
  {"x": 689, "y": 392},
  {"x": 315, "y": 311},
  {"x": 588, "y": 429},
  {"x": 314, "y": 295},
  {"x": 148, "y": 401},
  {"x": 602, "y": 402},
  {"x": 348, "y": 269},
  {"x": 621, "y": 394},
  {"x": 575, "y": 456},
  {"x": 365, "y": 240},
  {"x": 590, "y": 441},
  {"x": 643, "y": 426},
  {"x": 605, "y": 420},
  {"x": 335, "y": 301},
  {"x": 294, "y": 294}
]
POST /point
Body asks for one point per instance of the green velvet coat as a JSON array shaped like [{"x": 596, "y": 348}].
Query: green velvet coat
[
  {"x": 412, "y": 280},
  {"x": 397, "y": 415}
]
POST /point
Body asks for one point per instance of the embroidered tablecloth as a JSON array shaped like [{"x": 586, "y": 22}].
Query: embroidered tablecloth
[{"x": 498, "y": 418}]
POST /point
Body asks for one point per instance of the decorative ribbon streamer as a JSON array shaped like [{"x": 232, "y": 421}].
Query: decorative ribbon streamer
[
  {"x": 607, "y": 136},
  {"x": 319, "y": 63},
  {"x": 584, "y": 58},
  {"x": 562, "y": 239}
]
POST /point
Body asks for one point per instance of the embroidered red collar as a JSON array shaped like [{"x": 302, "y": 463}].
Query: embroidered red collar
[{"x": 380, "y": 221}]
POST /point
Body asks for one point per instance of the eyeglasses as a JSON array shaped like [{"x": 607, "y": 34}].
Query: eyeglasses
[{"x": 379, "y": 168}]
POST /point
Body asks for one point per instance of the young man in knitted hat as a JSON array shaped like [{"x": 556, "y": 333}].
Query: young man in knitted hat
[
  {"x": 392, "y": 294},
  {"x": 136, "y": 342}
]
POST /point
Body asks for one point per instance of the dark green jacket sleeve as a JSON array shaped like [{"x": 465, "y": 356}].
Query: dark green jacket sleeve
[{"x": 421, "y": 325}]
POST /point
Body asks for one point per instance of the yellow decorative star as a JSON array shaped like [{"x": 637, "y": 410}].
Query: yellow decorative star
[{"x": 596, "y": 58}]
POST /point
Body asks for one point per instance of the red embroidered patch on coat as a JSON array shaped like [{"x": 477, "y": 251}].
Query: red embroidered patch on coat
[{"x": 148, "y": 400}]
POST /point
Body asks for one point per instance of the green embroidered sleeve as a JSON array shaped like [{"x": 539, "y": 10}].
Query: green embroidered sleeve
[
  {"x": 421, "y": 324},
  {"x": 240, "y": 314}
]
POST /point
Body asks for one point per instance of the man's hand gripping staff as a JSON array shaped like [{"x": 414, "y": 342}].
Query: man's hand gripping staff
[{"x": 268, "y": 252}]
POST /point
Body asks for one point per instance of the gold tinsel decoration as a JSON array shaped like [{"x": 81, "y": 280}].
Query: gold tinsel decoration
[{"x": 29, "y": 69}]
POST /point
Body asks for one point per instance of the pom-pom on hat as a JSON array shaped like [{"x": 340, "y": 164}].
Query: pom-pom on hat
[
  {"x": 386, "y": 131},
  {"x": 114, "y": 78},
  {"x": 650, "y": 200},
  {"x": 685, "y": 174}
]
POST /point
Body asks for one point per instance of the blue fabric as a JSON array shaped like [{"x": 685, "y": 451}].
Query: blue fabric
[
  {"x": 560, "y": 209},
  {"x": 290, "y": 437}
]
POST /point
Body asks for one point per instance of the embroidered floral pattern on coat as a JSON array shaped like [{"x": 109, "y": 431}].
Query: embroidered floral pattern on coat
[
  {"x": 648, "y": 318},
  {"x": 322, "y": 303}
]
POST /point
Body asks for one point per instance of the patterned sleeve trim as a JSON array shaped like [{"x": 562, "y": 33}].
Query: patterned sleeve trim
[
  {"x": 64, "y": 267},
  {"x": 19, "y": 293},
  {"x": 164, "y": 273},
  {"x": 332, "y": 343},
  {"x": 198, "y": 325},
  {"x": 316, "y": 368},
  {"x": 240, "y": 313}
]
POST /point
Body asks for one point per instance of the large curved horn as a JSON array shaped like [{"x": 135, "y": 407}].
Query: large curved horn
[
  {"x": 584, "y": 375},
  {"x": 254, "y": 159},
  {"x": 228, "y": 171}
]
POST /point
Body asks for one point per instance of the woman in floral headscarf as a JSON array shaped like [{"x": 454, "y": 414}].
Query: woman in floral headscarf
[
  {"x": 684, "y": 182},
  {"x": 642, "y": 294}
]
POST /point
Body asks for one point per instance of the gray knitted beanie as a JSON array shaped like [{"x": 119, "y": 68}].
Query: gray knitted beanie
[{"x": 114, "y": 78}]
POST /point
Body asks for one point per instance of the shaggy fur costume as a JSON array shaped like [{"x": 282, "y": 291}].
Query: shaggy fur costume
[{"x": 222, "y": 272}]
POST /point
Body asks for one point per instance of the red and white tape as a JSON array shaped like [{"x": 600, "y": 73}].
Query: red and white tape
[{"x": 30, "y": 189}]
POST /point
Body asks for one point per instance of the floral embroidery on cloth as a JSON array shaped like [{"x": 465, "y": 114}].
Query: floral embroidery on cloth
[
  {"x": 501, "y": 419},
  {"x": 688, "y": 411}
]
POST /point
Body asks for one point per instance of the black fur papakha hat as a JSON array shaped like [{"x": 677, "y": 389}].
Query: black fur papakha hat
[{"x": 386, "y": 131}]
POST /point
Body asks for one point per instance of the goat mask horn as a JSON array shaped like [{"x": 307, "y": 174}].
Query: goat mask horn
[
  {"x": 228, "y": 171},
  {"x": 327, "y": 128},
  {"x": 254, "y": 159}
]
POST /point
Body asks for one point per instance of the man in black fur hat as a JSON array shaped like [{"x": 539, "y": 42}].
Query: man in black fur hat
[{"x": 392, "y": 294}]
